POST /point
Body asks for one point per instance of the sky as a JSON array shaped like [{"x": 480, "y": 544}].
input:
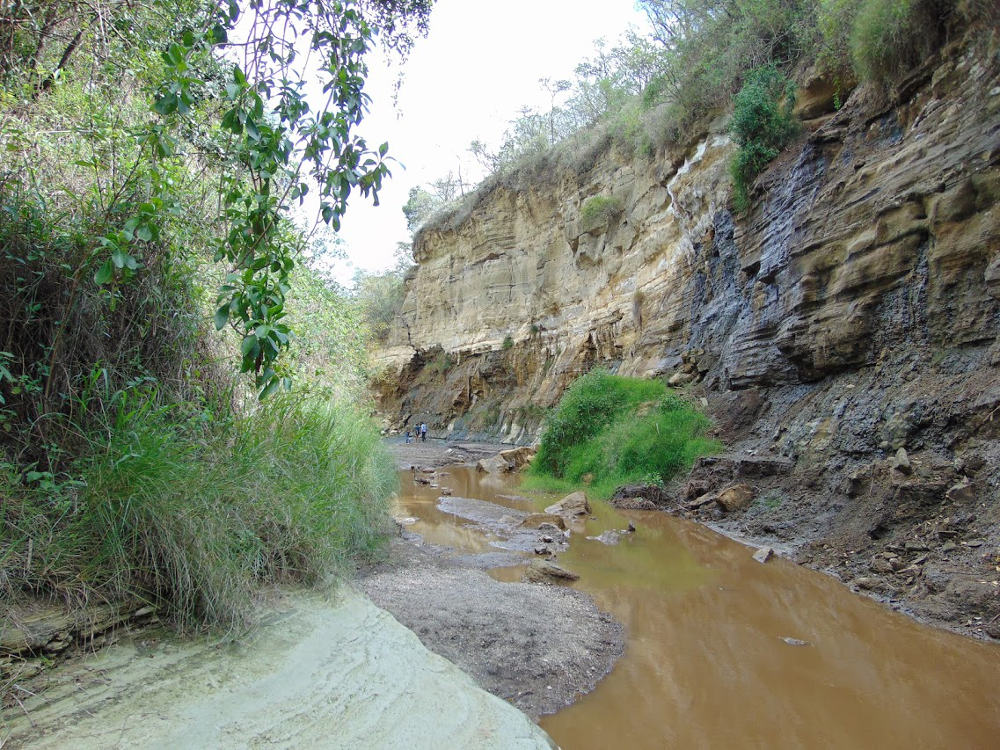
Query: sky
[{"x": 477, "y": 67}]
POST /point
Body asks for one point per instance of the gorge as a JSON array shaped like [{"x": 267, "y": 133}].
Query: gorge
[{"x": 843, "y": 334}]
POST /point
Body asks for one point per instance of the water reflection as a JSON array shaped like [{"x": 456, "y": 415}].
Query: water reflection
[{"x": 707, "y": 663}]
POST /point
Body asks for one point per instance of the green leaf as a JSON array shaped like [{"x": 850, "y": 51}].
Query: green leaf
[
  {"x": 218, "y": 34},
  {"x": 104, "y": 273},
  {"x": 272, "y": 385},
  {"x": 144, "y": 233},
  {"x": 249, "y": 347},
  {"x": 166, "y": 104},
  {"x": 222, "y": 316}
]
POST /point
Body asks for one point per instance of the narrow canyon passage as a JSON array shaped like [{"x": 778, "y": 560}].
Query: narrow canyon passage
[{"x": 726, "y": 652}]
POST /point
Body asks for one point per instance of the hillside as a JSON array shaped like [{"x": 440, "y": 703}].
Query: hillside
[{"x": 853, "y": 311}]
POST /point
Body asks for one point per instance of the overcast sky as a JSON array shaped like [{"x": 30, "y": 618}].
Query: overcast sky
[{"x": 478, "y": 66}]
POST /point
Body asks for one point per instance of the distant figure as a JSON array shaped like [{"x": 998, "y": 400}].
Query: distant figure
[
  {"x": 423, "y": 432},
  {"x": 409, "y": 437}
]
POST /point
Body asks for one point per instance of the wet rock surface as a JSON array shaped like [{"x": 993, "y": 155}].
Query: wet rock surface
[{"x": 331, "y": 671}]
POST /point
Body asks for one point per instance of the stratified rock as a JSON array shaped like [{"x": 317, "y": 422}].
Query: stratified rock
[
  {"x": 736, "y": 497},
  {"x": 628, "y": 495},
  {"x": 708, "y": 497},
  {"x": 571, "y": 506},
  {"x": 545, "y": 571}
]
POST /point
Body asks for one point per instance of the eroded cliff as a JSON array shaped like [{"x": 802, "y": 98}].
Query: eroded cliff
[{"x": 853, "y": 312}]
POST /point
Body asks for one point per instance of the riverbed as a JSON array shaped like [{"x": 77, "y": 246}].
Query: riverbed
[{"x": 726, "y": 652}]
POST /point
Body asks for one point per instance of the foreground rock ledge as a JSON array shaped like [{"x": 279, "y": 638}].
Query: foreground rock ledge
[{"x": 324, "y": 672}]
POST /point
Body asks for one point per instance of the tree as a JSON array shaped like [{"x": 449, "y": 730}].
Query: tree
[
  {"x": 379, "y": 296},
  {"x": 554, "y": 88},
  {"x": 274, "y": 143},
  {"x": 420, "y": 205}
]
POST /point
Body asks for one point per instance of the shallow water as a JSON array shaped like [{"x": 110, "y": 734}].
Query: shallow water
[{"x": 707, "y": 664}]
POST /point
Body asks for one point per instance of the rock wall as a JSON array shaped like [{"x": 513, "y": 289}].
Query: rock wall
[
  {"x": 872, "y": 240},
  {"x": 854, "y": 311}
]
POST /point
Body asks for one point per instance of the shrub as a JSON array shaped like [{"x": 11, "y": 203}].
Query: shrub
[
  {"x": 599, "y": 209},
  {"x": 508, "y": 342},
  {"x": 195, "y": 511},
  {"x": 889, "y": 37},
  {"x": 762, "y": 124},
  {"x": 620, "y": 430}
]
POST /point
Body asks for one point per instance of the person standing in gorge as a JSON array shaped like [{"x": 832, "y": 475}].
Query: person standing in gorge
[{"x": 423, "y": 432}]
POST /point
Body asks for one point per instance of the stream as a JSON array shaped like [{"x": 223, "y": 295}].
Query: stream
[{"x": 725, "y": 652}]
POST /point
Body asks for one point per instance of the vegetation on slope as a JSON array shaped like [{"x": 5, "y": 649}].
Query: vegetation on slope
[
  {"x": 661, "y": 87},
  {"x": 148, "y": 165},
  {"x": 618, "y": 430}
]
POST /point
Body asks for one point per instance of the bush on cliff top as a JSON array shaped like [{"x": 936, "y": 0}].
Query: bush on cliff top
[{"x": 620, "y": 430}]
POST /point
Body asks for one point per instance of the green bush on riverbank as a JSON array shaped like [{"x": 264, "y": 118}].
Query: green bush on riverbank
[
  {"x": 158, "y": 283},
  {"x": 194, "y": 510},
  {"x": 619, "y": 430}
]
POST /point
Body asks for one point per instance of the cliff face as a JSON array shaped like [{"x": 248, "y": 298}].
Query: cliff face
[{"x": 854, "y": 311}]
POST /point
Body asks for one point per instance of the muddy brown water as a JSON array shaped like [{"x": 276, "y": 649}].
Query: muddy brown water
[{"x": 715, "y": 656}]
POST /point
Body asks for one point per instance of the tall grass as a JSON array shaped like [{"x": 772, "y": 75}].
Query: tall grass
[
  {"x": 619, "y": 430},
  {"x": 196, "y": 511}
]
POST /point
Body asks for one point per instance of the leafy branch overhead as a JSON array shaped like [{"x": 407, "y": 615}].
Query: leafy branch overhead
[{"x": 284, "y": 80}]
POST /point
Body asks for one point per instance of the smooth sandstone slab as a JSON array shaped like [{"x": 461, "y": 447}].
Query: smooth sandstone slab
[{"x": 321, "y": 672}]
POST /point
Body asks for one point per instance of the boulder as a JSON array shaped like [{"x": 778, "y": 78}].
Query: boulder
[
  {"x": 494, "y": 465},
  {"x": 518, "y": 458},
  {"x": 538, "y": 520},
  {"x": 763, "y": 554},
  {"x": 545, "y": 571},
  {"x": 735, "y": 497},
  {"x": 571, "y": 506}
]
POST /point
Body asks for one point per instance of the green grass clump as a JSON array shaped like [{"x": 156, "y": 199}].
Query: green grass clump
[
  {"x": 620, "y": 430},
  {"x": 890, "y": 37},
  {"x": 598, "y": 210},
  {"x": 195, "y": 512}
]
